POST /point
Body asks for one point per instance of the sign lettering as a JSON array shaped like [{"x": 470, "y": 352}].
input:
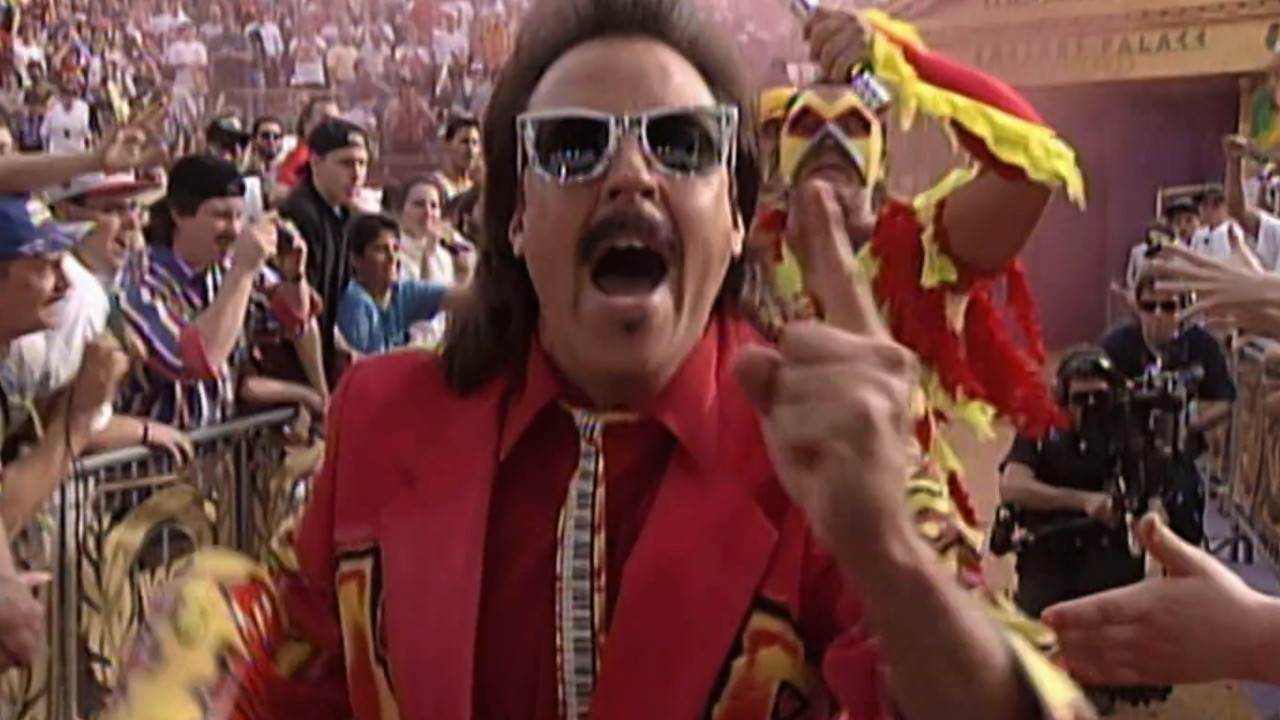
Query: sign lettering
[
  {"x": 1078, "y": 57},
  {"x": 1117, "y": 50}
]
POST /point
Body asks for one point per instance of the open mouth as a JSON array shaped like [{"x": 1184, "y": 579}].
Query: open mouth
[
  {"x": 827, "y": 159},
  {"x": 630, "y": 268}
]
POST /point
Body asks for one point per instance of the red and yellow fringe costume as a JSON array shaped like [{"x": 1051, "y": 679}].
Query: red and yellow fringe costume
[{"x": 945, "y": 312}]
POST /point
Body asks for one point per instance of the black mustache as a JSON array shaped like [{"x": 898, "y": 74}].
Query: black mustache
[{"x": 630, "y": 222}]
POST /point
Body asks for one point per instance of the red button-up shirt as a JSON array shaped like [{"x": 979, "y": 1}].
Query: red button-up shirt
[{"x": 515, "y": 644}]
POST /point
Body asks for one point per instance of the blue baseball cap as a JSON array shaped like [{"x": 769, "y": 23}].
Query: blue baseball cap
[{"x": 27, "y": 229}]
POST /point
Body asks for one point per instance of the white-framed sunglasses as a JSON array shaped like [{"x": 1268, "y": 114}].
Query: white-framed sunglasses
[{"x": 575, "y": 145}]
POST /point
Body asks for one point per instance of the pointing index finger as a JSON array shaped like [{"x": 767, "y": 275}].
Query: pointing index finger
[{"x": 822, "y": 245}]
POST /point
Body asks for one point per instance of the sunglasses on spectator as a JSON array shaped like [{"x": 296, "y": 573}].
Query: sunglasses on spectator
[
  {"x": 1164, "y": 306},
  {"x": 570, "y": 146},
  {"x": 268, "y": 136}
]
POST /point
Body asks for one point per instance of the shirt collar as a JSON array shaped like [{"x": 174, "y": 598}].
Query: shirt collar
[
  {"x": 686, "y": 407},
  {"x": 168, "y": 260}
]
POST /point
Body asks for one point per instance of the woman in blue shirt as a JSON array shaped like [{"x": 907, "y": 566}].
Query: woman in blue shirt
[{"x": 377, "y": 308}]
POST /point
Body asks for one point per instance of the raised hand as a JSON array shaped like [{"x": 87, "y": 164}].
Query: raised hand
[
  {"x": 102, "y": 366},
  {"x": 257, "y": 243},
  {"x": 1236, "y": 146},
  {"x": 21, "y": 619},
  {"x": 1234, "y": 289},
  {"x": 134, "y": 146},
  {"x": 834, "y": 398},
  {"x": 838, "y": 41}
]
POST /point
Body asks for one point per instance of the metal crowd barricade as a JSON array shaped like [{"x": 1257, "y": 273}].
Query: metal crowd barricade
[
  {"x": 1251, "y": 499},
  {"x": 120, "y": 527}
]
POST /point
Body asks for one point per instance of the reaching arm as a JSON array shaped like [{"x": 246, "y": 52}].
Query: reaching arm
[
  {"x": 1211, "y": 414},
  {"x": 308, "y": 347},
  {"x": 30, "y": 481},
  {"x": 1233, "y": 187},
  {"x": 31, "y": 172},
  {"x": 1019, "y": 486}
]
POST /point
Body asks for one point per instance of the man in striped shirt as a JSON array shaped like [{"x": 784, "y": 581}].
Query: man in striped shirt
[{"x": 202, "y": 283}]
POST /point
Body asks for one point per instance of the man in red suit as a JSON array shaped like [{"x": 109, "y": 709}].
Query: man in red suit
[{"x": 610, "y": 497}]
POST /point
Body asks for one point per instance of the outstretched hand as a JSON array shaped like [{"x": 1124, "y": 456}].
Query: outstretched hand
[
  {"x": 1200, "y": 623},
  {"x": 839, "y": 40},
  {"x": 1235, "y": 289}
]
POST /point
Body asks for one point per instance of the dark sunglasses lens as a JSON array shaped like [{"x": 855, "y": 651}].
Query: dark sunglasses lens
[
  {"x": 570, "y": 147},
  {"x": 684, "y": 142},
  {"x": 1168, "y": 306},
  {"x": 269, "y": 136}
]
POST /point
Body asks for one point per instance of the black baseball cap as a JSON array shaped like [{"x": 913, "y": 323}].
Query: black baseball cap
[
  {"x": 226, "y": 131},
  {"x": 335, "y": 134},
  {"x": 1212, "y": 195},
  {"x": 197, "y": 178},
  {"x": 1180, "y": 206}
]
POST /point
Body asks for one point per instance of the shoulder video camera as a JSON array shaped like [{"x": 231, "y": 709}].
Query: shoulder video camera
[{"x": 1142, "y": 426}]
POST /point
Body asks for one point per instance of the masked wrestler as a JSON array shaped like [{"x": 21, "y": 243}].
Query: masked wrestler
[
  {"x": 610, "y": 497},
  {"x": 932, "y": 262}
]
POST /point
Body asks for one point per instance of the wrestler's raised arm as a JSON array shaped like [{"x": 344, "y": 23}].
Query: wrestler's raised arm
[{"x": 988, "y": 217}]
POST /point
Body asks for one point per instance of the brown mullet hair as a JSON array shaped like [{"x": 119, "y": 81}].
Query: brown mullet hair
[{"x": 492, "y": 333}]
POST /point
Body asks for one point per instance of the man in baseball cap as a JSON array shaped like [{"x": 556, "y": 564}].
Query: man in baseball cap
[
  {"x": 32, "y": 286},
  {"x": 320, "y": 205},
  {"x": 1183, "y": 216},
  {"x": 113, "y": 204},
  {"x": 206, "y": 279},
  {"x": 226, "y": 137},
  {"x": 32, "y": 280}
]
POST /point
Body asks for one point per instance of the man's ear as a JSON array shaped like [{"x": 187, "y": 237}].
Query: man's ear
[
  {"x": 515, "y": 230},
  {"x": 738, "y": 236}
]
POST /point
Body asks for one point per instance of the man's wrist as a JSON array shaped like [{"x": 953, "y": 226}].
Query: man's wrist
[
  {"x": 95, "y": 160},
  {"x": 877, "y": 553}
]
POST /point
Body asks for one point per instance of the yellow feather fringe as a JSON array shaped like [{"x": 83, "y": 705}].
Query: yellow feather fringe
[{"x": 1035, "y": 149}]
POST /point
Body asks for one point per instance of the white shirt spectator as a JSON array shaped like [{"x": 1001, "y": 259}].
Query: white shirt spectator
[
  {"x": 186, "y": 57},
  {"x": 446, "y": 46},
  {"x": 412, "y": 53},
  {"x": 1268, "y": 245},
  {"x": 272, "y": 40},
  {"x": 308, "y": 61},
  {"x": 66, "y": 129},
  {"x": 24, "y": 54},
  {"x": 1216, "y": 242},
  {"x": 374, "y": 58},
  {"x": 41, "y": 364},
  {"x": 164, "y": 23}
]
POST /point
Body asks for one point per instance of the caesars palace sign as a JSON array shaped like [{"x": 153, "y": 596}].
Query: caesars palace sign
[{"x": 1028, "y": 57}]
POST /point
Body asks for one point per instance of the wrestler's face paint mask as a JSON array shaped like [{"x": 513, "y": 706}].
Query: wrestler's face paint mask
[{"x": 828, "y": 128}]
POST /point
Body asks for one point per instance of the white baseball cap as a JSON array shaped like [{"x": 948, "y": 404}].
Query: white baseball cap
[{"x": 100, "y": 184}]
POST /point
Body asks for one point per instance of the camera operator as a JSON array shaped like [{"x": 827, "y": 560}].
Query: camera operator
[
  {"x": 1058, "y": 486},
  {"x": 1159, "y": 339},
  {"x": 1057, "y": 490}
]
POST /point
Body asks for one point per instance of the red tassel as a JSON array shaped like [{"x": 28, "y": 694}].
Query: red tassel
[
  {"x": 963, "y": 501},
  {"x": 982, "y": 362},
  {"x": 1022, "y": 304}
]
